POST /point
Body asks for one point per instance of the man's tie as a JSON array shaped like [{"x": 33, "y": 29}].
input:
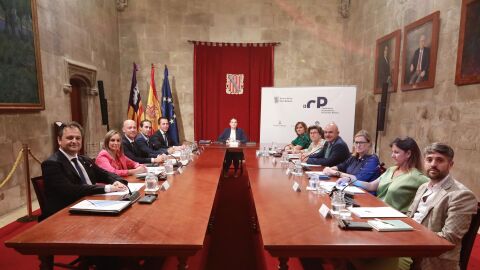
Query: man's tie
[
  {"x": 327, "y": 152},
  {"x": 165, "y": 138},
  {"x": 79, "y": 170}
]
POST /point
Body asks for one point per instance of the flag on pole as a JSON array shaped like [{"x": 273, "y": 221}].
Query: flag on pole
[
  {"x": 135, "y": 108},
  {"x": 152, "y": 112},
  {"x": 168, "y": 108}
]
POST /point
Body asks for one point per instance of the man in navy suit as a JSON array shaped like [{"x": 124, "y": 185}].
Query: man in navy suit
[
  {"x": 335, "y": 150},
  {"x": 132, "y": 150},
  {"x": 142, "y": 140},
  {"x": 420, "y": 63},
  {"x": 161, "y": 139},
  {"x": 232, "y": 134},
  {"x": 69, "y": 176}
]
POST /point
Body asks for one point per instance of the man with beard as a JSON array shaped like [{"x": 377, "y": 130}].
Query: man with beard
[{"x": 443, "y": 205}]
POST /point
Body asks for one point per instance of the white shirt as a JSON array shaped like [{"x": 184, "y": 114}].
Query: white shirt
[
  {"x": 87, "y": 178},
  {"x": 233, "y": 135},
  {"x": 426, "y": 200}
]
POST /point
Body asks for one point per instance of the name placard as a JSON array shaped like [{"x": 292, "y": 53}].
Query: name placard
[
  {"x": 324, "y": 211},
  {"x": 296, "y": 186},
  {"x": 165, "y": 186}
]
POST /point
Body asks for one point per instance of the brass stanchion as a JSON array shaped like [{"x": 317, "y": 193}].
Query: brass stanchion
[{"x": 29, "y": 217}]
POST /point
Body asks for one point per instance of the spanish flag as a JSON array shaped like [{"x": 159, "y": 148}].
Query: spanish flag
[
  {"x": 152, "y": 112},
  {"x": 135, "y": 107}
]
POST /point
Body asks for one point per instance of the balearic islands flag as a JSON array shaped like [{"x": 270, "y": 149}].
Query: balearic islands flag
[{"x": 135, "y": 108}]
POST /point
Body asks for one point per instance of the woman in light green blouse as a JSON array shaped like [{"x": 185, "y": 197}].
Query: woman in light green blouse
[
  {"x": 398, "y": 185},
  {"x": 302, "y": 141}
]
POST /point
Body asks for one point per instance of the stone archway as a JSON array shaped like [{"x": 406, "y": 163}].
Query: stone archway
[{"x": 82, "y": 78}]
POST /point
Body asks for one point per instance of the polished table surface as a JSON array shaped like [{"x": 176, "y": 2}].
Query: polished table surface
[
  {"x": 291, "y": 225},
  {"x": 176, "y": 223}
]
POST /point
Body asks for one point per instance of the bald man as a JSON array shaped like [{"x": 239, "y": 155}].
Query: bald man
[
  {"x": 131, "y": 150},
  {"x": 335, "y": 150},
  {"x": 420, "y": 62}
]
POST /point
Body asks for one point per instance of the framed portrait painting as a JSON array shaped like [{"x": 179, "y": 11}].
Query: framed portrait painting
[
  {"x": 420, "y": 47},
  {"x": 20, "y": 66},
  {"x": 387, "y": 55},
  {"x": 468, "y": 52}
]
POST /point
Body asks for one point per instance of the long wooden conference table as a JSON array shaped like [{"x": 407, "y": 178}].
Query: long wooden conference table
[{"x": 176, "y": 223}]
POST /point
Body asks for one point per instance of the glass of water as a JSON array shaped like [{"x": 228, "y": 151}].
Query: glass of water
[
  {"x": 169, "y": 166},
  {"x": 151, "y": 182},
  {"x": 338, "y": 203}
]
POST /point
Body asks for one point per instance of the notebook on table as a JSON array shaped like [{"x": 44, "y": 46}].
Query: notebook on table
[{"x": 389, "y": 225}]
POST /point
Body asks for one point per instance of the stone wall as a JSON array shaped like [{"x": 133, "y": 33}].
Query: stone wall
[
  {"x": 157, "y": 32},
  {"x": 446, "y": 112},
  {"x": 83, "y": 31}
]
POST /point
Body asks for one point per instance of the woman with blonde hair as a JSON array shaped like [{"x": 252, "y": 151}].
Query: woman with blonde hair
[
  {"x": 362, "y": 165},
  {"x": 112, "y": 159}
]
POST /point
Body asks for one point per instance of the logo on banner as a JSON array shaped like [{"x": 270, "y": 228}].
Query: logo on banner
[
  {"x": 278, "y": 99},
  {"x": 321, "y": 101},
  {"x": 234, "y": 84}
]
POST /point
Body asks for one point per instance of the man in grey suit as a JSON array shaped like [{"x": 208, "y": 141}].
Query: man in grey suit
[{"x": 443, "y": 205}]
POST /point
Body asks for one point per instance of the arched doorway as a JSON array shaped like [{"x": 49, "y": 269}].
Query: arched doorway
[{"x": 78, "y": 103}]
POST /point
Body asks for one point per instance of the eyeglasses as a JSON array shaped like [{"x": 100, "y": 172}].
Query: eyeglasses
[{"x": 360, "y": 143}]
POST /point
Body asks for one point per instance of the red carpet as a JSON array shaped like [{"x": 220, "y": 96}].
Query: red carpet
[{"x": 245, "y": 253}]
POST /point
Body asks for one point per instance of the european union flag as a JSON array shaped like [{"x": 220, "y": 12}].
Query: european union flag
[{"x": 168, "y": 109}]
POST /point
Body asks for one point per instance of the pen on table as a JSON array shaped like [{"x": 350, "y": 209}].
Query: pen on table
[
  {"x": 92, "y": 203},
  {"x": 383, "y": 221}
]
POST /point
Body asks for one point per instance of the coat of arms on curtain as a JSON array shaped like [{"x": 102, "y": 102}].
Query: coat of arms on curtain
[{"x": 234, "y": 84}]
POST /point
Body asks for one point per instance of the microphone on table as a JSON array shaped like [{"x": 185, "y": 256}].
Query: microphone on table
[
  {"x": 343, "y": 188},
  {"x": 131, "y": 196}
]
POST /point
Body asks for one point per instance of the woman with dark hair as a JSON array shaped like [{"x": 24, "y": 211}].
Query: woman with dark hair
[
  {"x": 362, "y": 165},
  {"x": 398, "y": 185},
  {"x": 112, "y": 159},
  {"x": 302, "y": 141}
]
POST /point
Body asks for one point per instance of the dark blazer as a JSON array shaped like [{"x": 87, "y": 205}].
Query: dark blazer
[
  {"x": 338, "y": 154},
  {"x": 425, "y": 61},
  {"x": 133, "y": 152},
  {"x": 63, "y": 185},
  {"x": 239, "y": 134},
  {"x": 144, "y": 146},
  {"x": 157, "y": 142},
  {"x": 383, "y": 71}
]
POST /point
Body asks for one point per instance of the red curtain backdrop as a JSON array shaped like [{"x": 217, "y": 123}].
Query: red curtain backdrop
[{"x": 213, "y": 107}]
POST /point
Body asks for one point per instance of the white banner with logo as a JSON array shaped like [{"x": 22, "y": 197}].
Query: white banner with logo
[{"x": 283, "y": 107}]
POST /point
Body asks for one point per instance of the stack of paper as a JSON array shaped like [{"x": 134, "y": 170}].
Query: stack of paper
[{"x": 328, "y": 186}]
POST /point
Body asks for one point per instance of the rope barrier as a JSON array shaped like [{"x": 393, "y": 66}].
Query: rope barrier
[
  {"x": 34, "y": 157},
  {"x": 13, "y": 168}
]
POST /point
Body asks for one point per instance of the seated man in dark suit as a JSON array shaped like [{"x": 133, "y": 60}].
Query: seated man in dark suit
[
  {"x": 161, "y": 139},
  {"x": 232, "y": 134},
  {"x": 142, "y": 140},
  {"x": 132, "y": 150},
  {"x": 335, "y": 150},
  {"x": 69, "y": 176}
]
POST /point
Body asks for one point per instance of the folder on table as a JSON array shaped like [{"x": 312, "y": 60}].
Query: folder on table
[{"x": 107, "y": 207}]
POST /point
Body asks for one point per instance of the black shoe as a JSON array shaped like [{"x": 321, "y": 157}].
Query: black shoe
[{"x": 225, "y": 174}]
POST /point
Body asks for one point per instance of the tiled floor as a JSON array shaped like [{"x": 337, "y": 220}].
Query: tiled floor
[{"x": 17, "y": 213}]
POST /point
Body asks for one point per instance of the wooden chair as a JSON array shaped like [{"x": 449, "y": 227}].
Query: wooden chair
[
  {"x": 469, "y": 239},
  {"x": 39, "y": 187}
]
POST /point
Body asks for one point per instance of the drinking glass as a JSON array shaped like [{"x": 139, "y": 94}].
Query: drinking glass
[
  {"x": 151, "y": 182},
  {"x": 169, "y": 166}
]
